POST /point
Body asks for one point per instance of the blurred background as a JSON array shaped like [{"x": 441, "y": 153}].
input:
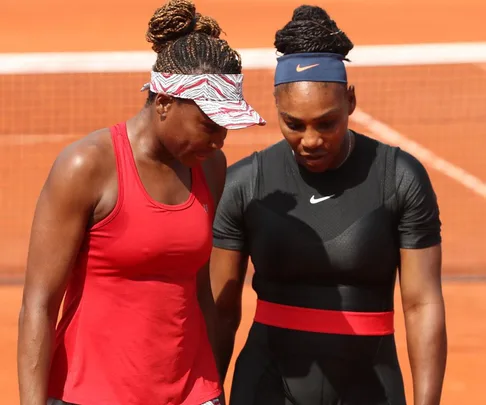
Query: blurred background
[{"x": 419, "y": 68}]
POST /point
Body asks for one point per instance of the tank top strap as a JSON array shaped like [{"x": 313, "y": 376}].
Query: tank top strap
[
  {"x": 124, "y": 157},
  {"x": 128, "y": 179}
]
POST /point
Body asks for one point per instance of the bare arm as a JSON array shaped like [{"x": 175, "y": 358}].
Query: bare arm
[
  {"x": 228, "y": 271},
  {"x": 215, "y": 173},
  {"x": 419, "y": 231},
  {"x": 229, "y": 258},
  {"x": 423, "y": 305},
  {"x": 63, "y": 210}
]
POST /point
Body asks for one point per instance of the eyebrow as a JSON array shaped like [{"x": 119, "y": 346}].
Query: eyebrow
[{"x": 320, "y": 117}]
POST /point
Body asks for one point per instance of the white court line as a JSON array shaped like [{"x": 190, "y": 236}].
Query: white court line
[
  {"x": 389, "y": 135},
  {"x": 252, "y": 58}
]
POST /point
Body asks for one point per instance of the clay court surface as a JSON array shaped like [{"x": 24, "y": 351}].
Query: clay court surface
[{"x": 440, "y": 108}]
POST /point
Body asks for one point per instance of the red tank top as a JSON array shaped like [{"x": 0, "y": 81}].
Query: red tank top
[{"x": 131, "y": 331}]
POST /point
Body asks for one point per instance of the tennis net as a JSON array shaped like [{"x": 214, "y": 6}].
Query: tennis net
[{"x": 430, "y": 99}]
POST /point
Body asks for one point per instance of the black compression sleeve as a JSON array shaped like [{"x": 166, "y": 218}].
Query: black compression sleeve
[
  {"x": 229, "y": 224},
  {"x": 419, "y": 226}
]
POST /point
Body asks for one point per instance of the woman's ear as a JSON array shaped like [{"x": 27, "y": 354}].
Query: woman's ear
[
  {"x": 351, "y": 95},
  {"x": 163, "y": 103}
]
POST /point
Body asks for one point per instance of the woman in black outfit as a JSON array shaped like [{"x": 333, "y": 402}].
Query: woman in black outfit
[{"x": 327, "y": 216}]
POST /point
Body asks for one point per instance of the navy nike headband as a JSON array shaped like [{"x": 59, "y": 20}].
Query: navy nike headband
[{"x": 310, "y": 67}]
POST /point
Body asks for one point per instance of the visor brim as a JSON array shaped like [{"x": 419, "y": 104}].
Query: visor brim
[{"x": 231, "y": 114}]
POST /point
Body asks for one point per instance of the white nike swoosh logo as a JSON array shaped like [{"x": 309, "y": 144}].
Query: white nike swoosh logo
[{"x": 314, "y": 200}]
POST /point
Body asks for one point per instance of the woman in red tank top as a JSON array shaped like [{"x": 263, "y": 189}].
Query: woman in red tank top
[{"x": 122, "y": 232}]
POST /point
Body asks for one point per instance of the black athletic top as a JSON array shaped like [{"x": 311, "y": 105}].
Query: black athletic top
[
  {"x": 381, "y": 199},
  {"x": 325, "y": 241}
]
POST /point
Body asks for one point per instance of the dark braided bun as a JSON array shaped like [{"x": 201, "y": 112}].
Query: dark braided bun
[{"x": 312, "y": 30}]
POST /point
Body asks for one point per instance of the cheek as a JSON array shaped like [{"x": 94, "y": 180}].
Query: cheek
[
  {"x": 176, "y": 133},
  {"x": 336, "y": 139},
  {"x": 292, "y": 137},
  {"x": 335, "y": 135}
]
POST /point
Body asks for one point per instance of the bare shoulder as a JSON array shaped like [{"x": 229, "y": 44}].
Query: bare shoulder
[
  {"x": 63, "y": 211},
  {"x": 84, "y": 164},
  {"x": 86, "y": 154},
  {"x": 215, "y": 171}
]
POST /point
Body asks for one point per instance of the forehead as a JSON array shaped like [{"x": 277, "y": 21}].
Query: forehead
[{"x": 300, "y": 96}]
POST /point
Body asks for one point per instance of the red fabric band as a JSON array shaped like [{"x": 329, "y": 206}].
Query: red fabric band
[{"x": 325, "y": 321}]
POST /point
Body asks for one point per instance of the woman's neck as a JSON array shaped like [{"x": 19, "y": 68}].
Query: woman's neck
[{"x": 144, "y": 139}]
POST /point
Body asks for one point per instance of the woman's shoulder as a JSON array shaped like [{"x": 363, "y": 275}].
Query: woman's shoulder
[
  {"x": 240, "y": 174},
  {"x": 406, "y": 163},
  {"x": 246, "y": 168},
  {"x": 87, "y": 161}
]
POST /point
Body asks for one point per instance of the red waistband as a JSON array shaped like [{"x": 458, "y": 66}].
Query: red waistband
[{"x": 324, "y": 321}]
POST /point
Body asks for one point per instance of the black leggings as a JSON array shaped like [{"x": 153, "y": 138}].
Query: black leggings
[{"x": 281, "y": 367}]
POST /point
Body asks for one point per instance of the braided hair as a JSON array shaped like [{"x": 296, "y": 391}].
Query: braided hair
[
  {"x": 187, "y": 42},
  {"x": 312, "y": 30}
]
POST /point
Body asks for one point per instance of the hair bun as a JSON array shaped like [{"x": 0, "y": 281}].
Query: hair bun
[
  {"x": 313, "y": 13},
  {"x": 207, "y": 25},
  {"x": 312, "y": 30},
  {"x": 174, "y": 19}
]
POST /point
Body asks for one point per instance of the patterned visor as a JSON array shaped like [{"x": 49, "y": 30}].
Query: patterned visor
[{"x": 219, "y": 96}]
